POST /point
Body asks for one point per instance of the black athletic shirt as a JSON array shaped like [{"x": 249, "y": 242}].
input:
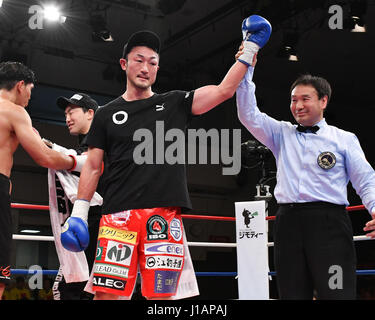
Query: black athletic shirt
[
  {"x": 82, "y": 144},
  {"x": 137, "y": 186}
]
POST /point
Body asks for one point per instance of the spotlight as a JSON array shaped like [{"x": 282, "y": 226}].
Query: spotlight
[
  {"x": 288, "y": 52},
  {"x": 288, "y": 48},
  {"x": 30, "y": 231},
  {"x": 356, "y": 22},
  {"x": 52, "y": 13},
  {"x": 358, "y": 25},
  {"x": 1, "y": 3},
  {"x": 102, "y": 35},
  {"x": 100, "y": 30}
]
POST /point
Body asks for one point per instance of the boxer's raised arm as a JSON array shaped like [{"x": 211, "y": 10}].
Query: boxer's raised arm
[
  {"x": 256, "y": 32},
  {"x": 208, "y": 97}
]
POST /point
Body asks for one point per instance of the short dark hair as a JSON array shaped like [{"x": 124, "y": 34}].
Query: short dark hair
[
  {"x": 320, "y": 84},
  {"x": 12, "y": 72}
]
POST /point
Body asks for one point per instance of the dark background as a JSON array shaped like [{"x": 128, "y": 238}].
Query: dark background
[{"x": 199, "y": 41}]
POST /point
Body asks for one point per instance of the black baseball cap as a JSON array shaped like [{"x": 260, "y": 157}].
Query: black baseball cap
[
  {"x": 142, "y": 38},
  {"x": 79, "y": 99}
]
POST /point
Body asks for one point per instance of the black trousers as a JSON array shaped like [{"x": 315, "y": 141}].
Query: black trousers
[
  {"x": 5, "y": 229},
  {"x": 314, "y": 252}
]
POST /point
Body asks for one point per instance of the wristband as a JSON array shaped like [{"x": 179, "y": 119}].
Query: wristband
[
  {"x": 249, "y": 50},
  {"x": 79, "y": 161},
  {"x": 81, "y": 209}
]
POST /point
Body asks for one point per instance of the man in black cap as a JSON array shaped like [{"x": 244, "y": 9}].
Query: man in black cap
[
  {"x": 79, "y": 112},
  {"x": 141, "y": 223}
]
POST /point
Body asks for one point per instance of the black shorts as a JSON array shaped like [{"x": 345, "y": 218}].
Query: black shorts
[{"x": 5, "y": 229}]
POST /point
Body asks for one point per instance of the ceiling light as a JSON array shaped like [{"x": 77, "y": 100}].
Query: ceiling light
[
  {"x": 359, "y": 25},
  {"x": 358, "y": 10},
  {"x": 288, "y": 48},
  {"x": 52, "y": 13},
  {"x": 288, "y": 52},
  {"x": 29, "y": 231},
  {"x": 100, "y": 31}
]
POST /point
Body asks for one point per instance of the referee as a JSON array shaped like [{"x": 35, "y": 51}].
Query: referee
[{"x": 314, "y": 249}]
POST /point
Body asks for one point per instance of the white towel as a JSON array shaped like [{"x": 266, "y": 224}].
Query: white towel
[{"x": 62, "y": 187}]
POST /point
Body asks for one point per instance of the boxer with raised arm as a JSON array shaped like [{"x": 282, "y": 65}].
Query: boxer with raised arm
[{"x": 141, "y": 220}]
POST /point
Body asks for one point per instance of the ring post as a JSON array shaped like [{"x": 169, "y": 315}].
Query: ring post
[{"x": 252, "y": 251}]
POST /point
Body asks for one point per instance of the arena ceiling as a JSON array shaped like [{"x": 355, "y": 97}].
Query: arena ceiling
[{"x": 200, "y": 39}]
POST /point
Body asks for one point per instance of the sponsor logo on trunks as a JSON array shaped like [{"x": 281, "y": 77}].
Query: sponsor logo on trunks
[
  {"x": 157, "y": 228},
  {"x": 120, "y": 253},
  {"x": 326, "y": 160},
  {"x": 164, "y": 247},
  {"x": 99, "y": 250},
  {"x": 117, "y": 234},
  {"x": 166, "y": 281},
  {"x": 175, "y": 229},
  {"x": 5, "y": 272},
  {"x": 121, "y": 218},
  {"x": 107, "y": 282},
  {"x": 111, "y": 270},
  {"x": 164, "y": 262}
]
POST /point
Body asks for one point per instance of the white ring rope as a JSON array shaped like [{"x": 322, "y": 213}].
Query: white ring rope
[
  {"x": 191, "y": 244},
  {"x": 33, "y": 238}
]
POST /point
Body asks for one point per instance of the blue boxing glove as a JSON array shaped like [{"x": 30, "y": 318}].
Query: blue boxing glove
[
  {"x": 256, "y": 31},
  {"x": 74, "y": 233}
]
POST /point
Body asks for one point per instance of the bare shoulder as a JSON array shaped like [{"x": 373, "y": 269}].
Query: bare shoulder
[{"x": 13, "y": 114}]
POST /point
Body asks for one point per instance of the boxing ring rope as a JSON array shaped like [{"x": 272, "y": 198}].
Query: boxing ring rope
[
  {"x": 191, "y": 244},
  {"x": 186, "y": 216}
]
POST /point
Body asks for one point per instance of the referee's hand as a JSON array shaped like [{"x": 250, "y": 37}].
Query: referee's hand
[{"x": 370, "y": 226}]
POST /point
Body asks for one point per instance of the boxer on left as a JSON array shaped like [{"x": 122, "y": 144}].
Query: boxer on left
[{"x": 16, "y": 84}]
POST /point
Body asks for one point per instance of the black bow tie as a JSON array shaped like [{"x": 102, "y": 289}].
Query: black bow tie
[{"x": 312, "y": 129}]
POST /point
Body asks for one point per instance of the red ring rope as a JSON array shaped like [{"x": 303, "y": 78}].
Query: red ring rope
[
  {"x": 185, "y": 216},
  {"x": 29, "y": 206}
]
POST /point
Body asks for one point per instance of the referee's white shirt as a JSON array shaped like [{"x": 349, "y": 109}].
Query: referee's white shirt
[{"x": 300, "y": 178}]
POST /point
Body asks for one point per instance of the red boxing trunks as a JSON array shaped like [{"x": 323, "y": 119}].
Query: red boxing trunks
[{"x": 149, "y": 238}]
